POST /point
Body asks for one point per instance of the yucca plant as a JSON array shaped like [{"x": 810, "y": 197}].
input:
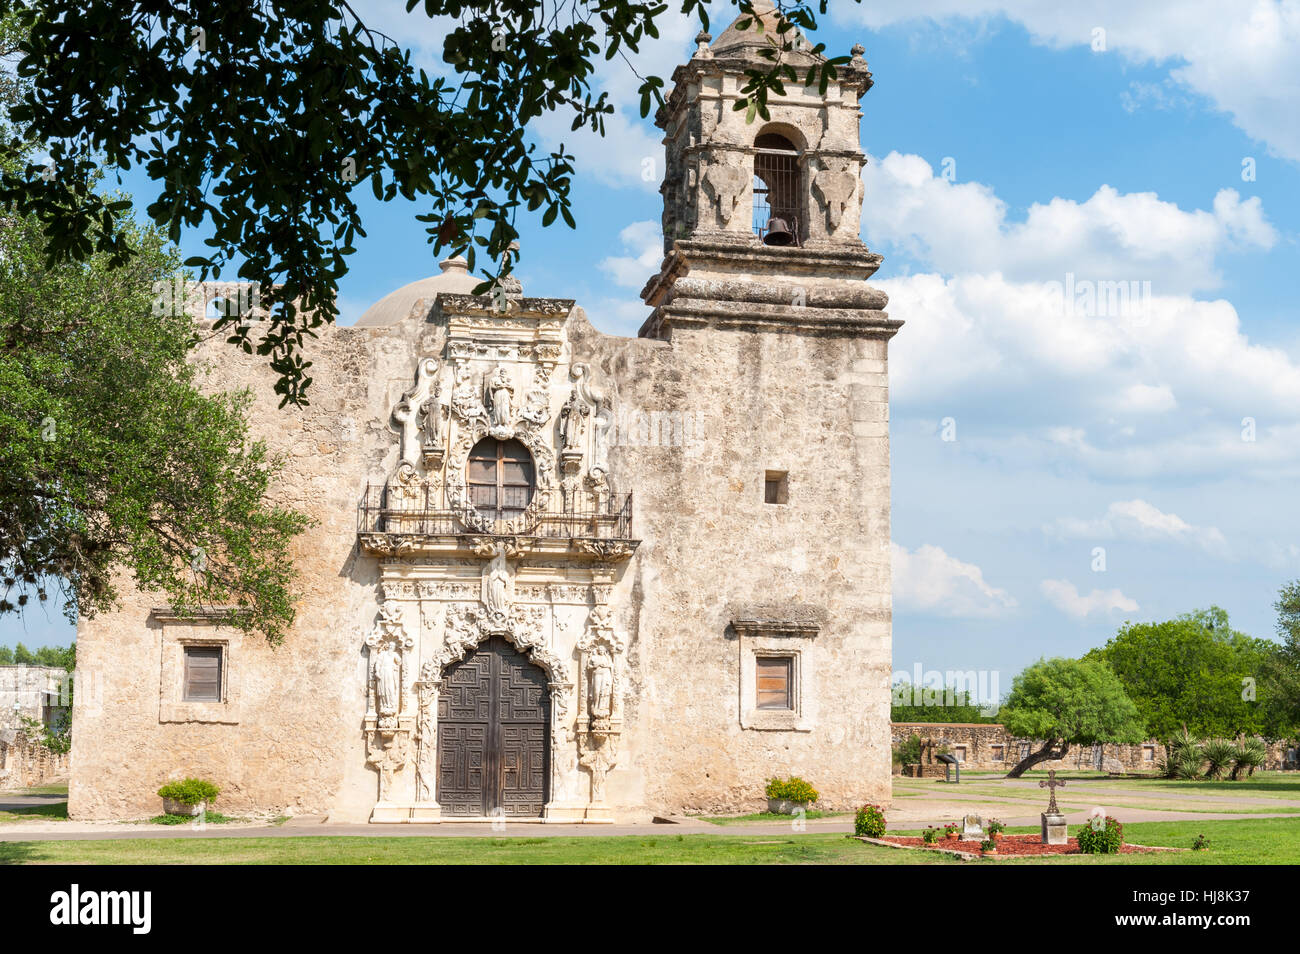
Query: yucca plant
[
  {"x": 1185, "y": 758},
  {"x": 1184, "y": 763},
  {"x": 1220, "y": 755},
  {"x": 1251, "y": 754}
]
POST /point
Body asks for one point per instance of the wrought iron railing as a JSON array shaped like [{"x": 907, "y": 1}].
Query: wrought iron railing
[{"x": 383, "y": 509}]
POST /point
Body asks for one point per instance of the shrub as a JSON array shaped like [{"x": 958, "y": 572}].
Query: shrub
[
  {"x": 869, "y": 822},
  {"x": 930, "y": 835},
  {"x": 988, "y": 844},
  {"x": 1101, "y": 836},
  {"x": 190, "y": 791},
  {"x": 1251, "y": 754},
  {"x": 1220, "y": 755},
  {"x": 793, "y": 789},
  {"x": 1200, "y": 844},
  {"x": 909, "y": 753}
]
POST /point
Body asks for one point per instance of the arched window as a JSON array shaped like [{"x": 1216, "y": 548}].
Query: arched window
[
  {"x": 776, "y": 191},
  {"x": 500, "y": 478}
]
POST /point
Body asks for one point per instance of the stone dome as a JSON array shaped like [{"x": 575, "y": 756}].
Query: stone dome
[{"x": 395, "y": 306}]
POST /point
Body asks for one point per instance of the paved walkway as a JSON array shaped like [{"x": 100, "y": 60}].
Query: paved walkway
[{"x": 928, "y": 807}]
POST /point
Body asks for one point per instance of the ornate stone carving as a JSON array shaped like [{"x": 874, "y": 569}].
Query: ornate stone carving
[
  {"x": 600, "y": 683},
  {"x": 611, "y": 550},
  {"x": 388, "y": 644},
  {"x": 410, "y": 410},
  {"x": 725, "y": 184},
  {"x": 498, "y": 398},
  {"x": 466, "y": 403},
  {"x": 498, "y": 590},
  {"x": 426, "y": 753},
  {"x": 835, "y": 189},
  {"x": 386, "y": 752},
  {"x": 573, "y": 421}
]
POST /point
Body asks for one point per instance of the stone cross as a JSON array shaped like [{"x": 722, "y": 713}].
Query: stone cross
[{"x": 1051, "y": 785}]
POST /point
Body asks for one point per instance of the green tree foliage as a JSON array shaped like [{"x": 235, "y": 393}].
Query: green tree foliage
[
  {"x": 1194, "y": 671},
  {"x": 113, "y": 459},
  {"x": 1068, "y": 701},
  {"x": 63, "y": 657},
  {"x": 1282, "y": 677},
  {"x": 260, "y": 120},
  {"x": 919, "y": 704}
]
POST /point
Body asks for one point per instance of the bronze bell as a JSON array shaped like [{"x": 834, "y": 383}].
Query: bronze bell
[{"x": 778, "y": 233}]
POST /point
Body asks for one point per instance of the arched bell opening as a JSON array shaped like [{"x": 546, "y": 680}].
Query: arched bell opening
[{"x": 778, "y": 191}]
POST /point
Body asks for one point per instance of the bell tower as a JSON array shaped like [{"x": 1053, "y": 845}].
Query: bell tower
[{"x": 765, "y": 212}]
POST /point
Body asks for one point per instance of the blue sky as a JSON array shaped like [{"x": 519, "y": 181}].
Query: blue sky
[{"x": 1073, "y": 430}]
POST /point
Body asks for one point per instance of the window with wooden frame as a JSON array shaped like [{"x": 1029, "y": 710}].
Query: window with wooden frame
[
  {"x": 997, "y": 753},
  {"x": 203, "y": 671},
  {"x": 774, "y": 682},
  {"x": 500, "y": 478}
]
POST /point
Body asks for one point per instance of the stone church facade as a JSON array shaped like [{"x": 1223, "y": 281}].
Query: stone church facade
[{"x": 554, "y": 574}]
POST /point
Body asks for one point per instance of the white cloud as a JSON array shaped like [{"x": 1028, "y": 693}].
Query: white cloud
[
  {"x": 1243, "y": 58},
  {"x": 1065, "y": 596},
  {"x": 961, "y": 227},
  {"x": 645, "y": 243},
  {"x": 928, "y": 580},
  {"x": 1139, "y": 520}
]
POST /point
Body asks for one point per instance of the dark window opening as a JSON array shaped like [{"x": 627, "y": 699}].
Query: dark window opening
[
  {"x": 776, "y": 489},
  {"x": 500, "y": 478}
]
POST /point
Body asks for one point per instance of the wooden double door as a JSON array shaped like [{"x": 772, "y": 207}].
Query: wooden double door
[{"x": 494, "y": 713}]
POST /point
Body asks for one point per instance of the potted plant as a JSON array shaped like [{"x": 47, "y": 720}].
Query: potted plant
[
  {"x": 930, "y": 837},
  {"x": 951, "y": 831},
  {"x": 786, "y": 795},
  {"x": 989, "y": 846},
  {"x": 190, "y": 796},
  {"x": 996, "y": 828}
]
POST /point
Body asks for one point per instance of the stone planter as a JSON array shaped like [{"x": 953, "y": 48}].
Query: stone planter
[
  {"x": 783, "y": 806},
  {"x": 173, "y": 807}
]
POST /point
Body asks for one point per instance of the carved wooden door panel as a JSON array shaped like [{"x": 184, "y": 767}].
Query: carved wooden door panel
[{"x": 493, "y": 717}]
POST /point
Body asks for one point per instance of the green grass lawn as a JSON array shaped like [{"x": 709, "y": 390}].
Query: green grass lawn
[
  {"x": 766, "y": 817},
  {"x": 1250, "y": 841},
  {"x": 36, "y": 812}
]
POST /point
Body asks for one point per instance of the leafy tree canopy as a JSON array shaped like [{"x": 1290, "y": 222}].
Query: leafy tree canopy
[
  {"x": 64, "y": 657},
  {"x": 1194, "y": 671},
  {"x": 1068, "y": 701},
  {"x": 921, "y": 704},
  {"x": 262, "y": 119}
]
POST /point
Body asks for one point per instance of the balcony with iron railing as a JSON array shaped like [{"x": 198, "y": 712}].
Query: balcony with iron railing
[{"x": 391, "y": 521}]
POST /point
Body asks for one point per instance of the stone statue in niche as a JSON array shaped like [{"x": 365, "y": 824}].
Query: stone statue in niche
[
  {"x": 497, "y": 585},
  {"x": 573, "y": 417},
  {"x": 386, "y": 671},
  {"x": 600, "y": 682},
  {"x": 498, "y": 398},
  {"x": 388, "y": 644},
  {"x": 465, "y": 400}
]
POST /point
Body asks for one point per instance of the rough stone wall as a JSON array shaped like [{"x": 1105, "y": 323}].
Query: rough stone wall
[
  {"x": 979, "y": 740},
  {"x": 294, "y": 743},
  {"x": 713, "y": 551},
  {"x": 25, "y": 763},
  {"x": 26, "y": 691}
]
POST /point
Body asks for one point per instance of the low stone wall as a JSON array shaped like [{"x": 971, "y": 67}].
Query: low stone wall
[
  {"x": 25, "y": 763},
  {"x": 990, "y": 748}
]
